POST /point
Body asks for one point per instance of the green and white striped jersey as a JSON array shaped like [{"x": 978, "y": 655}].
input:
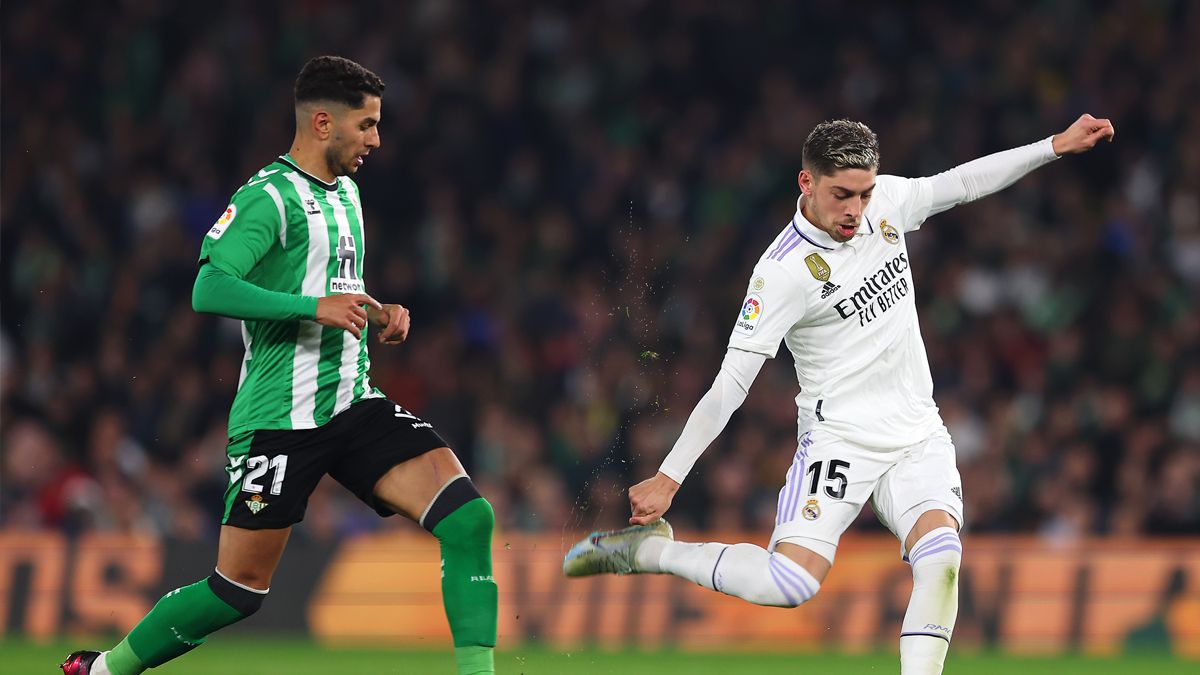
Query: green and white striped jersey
[{"x": 288, "y": 231}]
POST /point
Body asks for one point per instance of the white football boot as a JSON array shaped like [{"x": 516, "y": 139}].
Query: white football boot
[{"x": 613, "y": 552}]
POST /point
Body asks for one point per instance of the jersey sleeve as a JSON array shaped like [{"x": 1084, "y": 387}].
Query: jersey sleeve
[
  {"x": 774, "y": 303},
  {"x": 913, "y": 196},
  {"x": 244, "y": 233}
]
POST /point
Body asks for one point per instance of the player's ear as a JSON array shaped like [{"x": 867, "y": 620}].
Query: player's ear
[
  {"x": 805, "y": 180},
  {"x": 322, "y": 123}
]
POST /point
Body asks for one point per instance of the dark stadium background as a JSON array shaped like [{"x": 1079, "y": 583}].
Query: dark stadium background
[{"x": 569, "y": 198}]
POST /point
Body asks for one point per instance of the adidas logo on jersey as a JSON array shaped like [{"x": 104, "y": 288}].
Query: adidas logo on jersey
[{"x": 829, "y": 289}]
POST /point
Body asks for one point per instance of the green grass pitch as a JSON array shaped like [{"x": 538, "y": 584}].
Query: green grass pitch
[{"x": 297, "y": 657}]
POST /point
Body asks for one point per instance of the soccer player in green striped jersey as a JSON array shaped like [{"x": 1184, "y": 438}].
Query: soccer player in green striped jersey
[{"x": 286, "y": 258}]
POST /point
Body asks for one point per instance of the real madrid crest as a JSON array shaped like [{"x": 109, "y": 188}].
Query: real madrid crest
[
  {"x": 890, "y": 235},
  {"x": 811, "y": 510},
  {"x": 759, "y": 283},
  {"x": 817, "y": 265}
]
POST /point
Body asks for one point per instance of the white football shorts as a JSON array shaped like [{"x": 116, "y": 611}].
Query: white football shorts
[{"x": 830, "y": 479}]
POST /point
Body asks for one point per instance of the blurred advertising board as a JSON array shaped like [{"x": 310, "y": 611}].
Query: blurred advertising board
[{"x": 1021, "y": 595}]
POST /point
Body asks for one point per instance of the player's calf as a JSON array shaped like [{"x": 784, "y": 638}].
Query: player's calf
[
  {"x": 933, "y": 608},
  {"x": 181, "y": 621},
  {"x": 745, "y": 571},
  {"x": 462, "y": 520}
]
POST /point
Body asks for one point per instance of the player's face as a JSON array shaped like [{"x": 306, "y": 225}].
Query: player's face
[
  {"x": 835, "y": 203},
  {"x": 355, "y": 134}
]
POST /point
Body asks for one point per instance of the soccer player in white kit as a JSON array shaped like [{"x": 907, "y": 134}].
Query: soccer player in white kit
[{"x": 836, "y": 286}]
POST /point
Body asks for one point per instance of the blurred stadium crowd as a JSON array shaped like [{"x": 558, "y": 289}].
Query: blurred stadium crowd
[{"x": 570, "y": 203}]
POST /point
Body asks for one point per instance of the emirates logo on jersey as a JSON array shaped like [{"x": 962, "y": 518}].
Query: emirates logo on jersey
[{"x": 879, "y": 293}]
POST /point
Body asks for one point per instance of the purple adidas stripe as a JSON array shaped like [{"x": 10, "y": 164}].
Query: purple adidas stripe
[
  {"x": 926, "y": 552},
  {"x": 808, "y": 592},
  {"x": 922, "y": 549},
  {"x": 789, "y": 485},
  {"x": 784, "y": 252},
  {"x": 785, "y": 492},
  {"x": 791, "y": 236},
  {"x": 780, "y": 585},
  {"x": 941, "y": 538},
  {"x": 798, "y": 486},
  {"x": 782, "y": 579}
]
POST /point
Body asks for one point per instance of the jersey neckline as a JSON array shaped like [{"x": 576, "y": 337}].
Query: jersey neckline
[{"x": 287, "y": 159}]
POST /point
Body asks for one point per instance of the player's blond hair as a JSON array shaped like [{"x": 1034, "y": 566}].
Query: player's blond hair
[{"x": 840, "y": 144}]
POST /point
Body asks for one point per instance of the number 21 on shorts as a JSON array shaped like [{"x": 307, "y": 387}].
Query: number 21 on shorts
[{"x": 257, "y": 467}]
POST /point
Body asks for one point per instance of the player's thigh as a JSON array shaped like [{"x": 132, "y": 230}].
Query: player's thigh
[
  {"x": 250, "y": 557},
  {"x": 411, "y": 486},
  {"x": 826, "y": 487},
  {"x": 394, "y": 461},
  {"x": 924, "y": 481},
  {"x": 928, "y": 522},
  {"x": 271, "y": 475}
]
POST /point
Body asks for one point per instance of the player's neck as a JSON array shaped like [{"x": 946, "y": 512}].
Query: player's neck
[
  {"x": 806, "y": 211},
  {"x": 311, "y": 161}
]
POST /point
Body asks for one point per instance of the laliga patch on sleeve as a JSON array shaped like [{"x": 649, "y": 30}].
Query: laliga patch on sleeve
[
  {"x": 752, "y": 311},
  {"x": 223, "y": 222}
]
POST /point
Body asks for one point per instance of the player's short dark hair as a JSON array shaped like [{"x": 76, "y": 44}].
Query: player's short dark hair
[
  {"x": 333, "y": 78},
  {"x": 840, "y": 144}
]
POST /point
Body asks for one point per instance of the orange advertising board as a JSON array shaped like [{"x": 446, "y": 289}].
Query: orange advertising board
[{"x": 1020, "y": 595}]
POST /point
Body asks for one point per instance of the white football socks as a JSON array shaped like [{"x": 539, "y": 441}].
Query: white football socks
[
  {"x": 100, "y": 665},
  {"x": 745, "y": 571},
  {"x": 933, "y": 607}
]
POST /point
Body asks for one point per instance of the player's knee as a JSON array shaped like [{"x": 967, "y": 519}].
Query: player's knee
[
  {"x": 789, "y": 584},
  {"x": 463, "y": 510},
  {"x": 937, "y": 557},
  {"x": 243, "y": 599},
  {"x": 478, "y": 520}
]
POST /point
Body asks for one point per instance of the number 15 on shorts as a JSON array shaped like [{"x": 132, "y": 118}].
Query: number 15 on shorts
[{"x": 834, "y": 478}]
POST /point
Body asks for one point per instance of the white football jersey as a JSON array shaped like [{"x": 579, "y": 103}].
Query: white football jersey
[{"x": 847, "y": 313}]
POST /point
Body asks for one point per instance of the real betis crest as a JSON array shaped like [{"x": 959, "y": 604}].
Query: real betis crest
[
  {"x": 817, "y": 265},
  {"x": 256, "y": 504}
]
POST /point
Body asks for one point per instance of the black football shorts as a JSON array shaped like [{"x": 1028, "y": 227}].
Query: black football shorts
[{"x": 273, "y": 472}]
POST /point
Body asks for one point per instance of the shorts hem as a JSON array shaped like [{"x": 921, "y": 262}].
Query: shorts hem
[
  {"x": 908, "y": 520},
  {"x": 824, "y": 549}
]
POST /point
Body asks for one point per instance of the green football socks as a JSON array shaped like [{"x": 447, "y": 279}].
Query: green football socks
[
  {"x": 180, "y": 622},
  {"x": 185, "y": 617},
  {"x": 468, "y": 590}
]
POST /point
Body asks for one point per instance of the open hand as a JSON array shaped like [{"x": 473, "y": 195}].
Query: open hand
[{"x": 1083, "y": 135}]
